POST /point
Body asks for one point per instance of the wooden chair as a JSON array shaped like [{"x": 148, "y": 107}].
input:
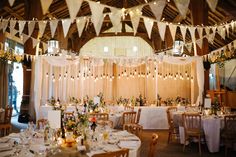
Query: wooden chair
[
  {"x": 5, "y": 127},
  {"x": 41, "y": 123},
  {"x": 102, "y": 119},
  {"x": 153, "y": 145},
  {"x": 135, "y": 129},
  {"x": 172, "y": 129},
  {"x": 129, "y": 108},
  {"x": 119, "y": 153},
  {"x": 229, "y": 132},
  {"x": 192, "y": 128},
  {"x": 128, "y": 118},
  {"x": 138, "y": 115}
]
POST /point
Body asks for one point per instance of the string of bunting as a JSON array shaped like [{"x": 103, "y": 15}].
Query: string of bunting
[{"x": 116, "y": 14}]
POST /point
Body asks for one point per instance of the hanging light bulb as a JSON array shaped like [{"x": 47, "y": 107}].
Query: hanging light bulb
[
  {"x": 153, "y": 77},
  {"x": 135, "y": 72},
  {"x": 107, "y": 76},
  {"x": 46, "y": 74},
  {"x": 59, "y": 77},
  {"x": 155, "y": 70},
  {"x": 101, "y": 77},
  {"x": 119, "y": 76}
]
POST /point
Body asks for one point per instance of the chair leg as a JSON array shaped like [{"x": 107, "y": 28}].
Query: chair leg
[
  {"x": 184, "y": 144},
  {"x": 199, "y": 145},
  {"x": 169, "y": 137}
]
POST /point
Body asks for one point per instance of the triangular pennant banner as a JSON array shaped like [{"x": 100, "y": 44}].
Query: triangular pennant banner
[
  {"x": 45, "y": 4},
  {"x": 13, "y": 32},
  {"x": 157, "y": 8},
  {"x": 12, "y": 24},
  {"x": 35, "y": 42},
  {"x": 199, "y": 42},
  {"x": 25, "y": 38},
  {"x": 200, "y": 32},
  {"x": 173, "y": 29},
  {"x": 189, "y": 47},
  {"x": 11, "y": 2},
  {"x": 135, "y": 22},
  {"x": 212, "y": 4},
  {"x": 211, "y": 38},
  {"x": 232, "y": 26},
  {"x": 73, "y": 6},
  {"x": 42, "y": 26},
  {"x": 97, "y": 15},
  {"x": 183, "y": 30},
  {"x": 66, "y": 26},
  {"x": 115, "y": 17},
  {"x": 53, "y": 26},
  {"x": 148, "y": 24},
  {"x": 207, "y": 30},
  {"x": 4, "y": 25},
  {"x": 195, "y": 48},
  {"x": 80, "y": 22},
  {"x": 162, "y": 29},
  {"x": 221, "y": 31},
  {"x": 182, "y": 6},
  {"x": 192, "y": 32},
  {"x": 227, "y": 29},
  {"x": 21, "y": 26},
  {"x": 230, "y": 46},
  {"x": 31, "y": 25}
]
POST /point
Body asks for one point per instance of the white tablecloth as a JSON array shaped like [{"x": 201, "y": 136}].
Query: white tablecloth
[
  {"x": 152, "y": 117},
  {"x": 211, "y": 127}
]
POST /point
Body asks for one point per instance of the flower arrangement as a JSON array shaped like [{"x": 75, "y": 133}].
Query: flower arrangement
[
  {"x": 69, "y": 123},
  {"x": 102, "y": 102},
  {"x": 8, "y": 55},
  {"x": 52, "y": 101},
  {"x": 74, "y": 100},
  {"x": 215, "y": 106},
  {"x": 182, "y": 101},
  {"x": 158, "y": 100},
  {"x": 140, "y": 101}
]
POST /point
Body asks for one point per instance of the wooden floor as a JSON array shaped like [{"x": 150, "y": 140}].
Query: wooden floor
[{"x": 173, "y": 149}]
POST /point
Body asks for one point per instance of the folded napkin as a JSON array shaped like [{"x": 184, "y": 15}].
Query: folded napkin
[
  {"x": 123, "y": 133},
  {"x": 110, "y": 148},
  {"x": 90, "y": 154},
  {"x": 5, "y": 146},
  {"x": 128, "y": 144}
]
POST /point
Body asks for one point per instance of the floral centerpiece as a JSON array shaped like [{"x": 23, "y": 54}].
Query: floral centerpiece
[
  {"x": 140, "y": 101},
  {"x": 215, "y": 106},
  {"x": 119, "y": 101},
  {"x": 158, "y": 100},
  {"x": 74, "y": 100},
  {"x": 182, "y": 101},
  {"x": 169, "y": 102}
]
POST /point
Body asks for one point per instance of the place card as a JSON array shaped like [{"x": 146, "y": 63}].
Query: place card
[
  {"x": 207, "y": 103},
  {"x": 54, "y": 119}
]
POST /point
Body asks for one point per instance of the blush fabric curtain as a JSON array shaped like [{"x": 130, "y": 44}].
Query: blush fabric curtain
[{"x": 63, "y": 78}]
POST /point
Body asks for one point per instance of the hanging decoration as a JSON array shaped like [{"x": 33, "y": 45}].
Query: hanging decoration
[
  {"x": 115, "y": 17},
  {"x": 73, "y": 7},
  {"x": 162, "y": 30},
  {"x": 11, "y": 2},
  {"x": 148, "y": 25},
  {"x": 212, "y": 4},
  {"x": 42, "y": 26},
  {"x": 157, "y": 8},
  {"x": 182, "y": 6},
  {"x": 45, "y": 4},
  {"x": 53, "y": 26},
  {"x": 80, "y": 23},
  {"x": 21, "y": 26},
  {"x": 31, "y": 25},
  {"x": 66, "y": 25}
]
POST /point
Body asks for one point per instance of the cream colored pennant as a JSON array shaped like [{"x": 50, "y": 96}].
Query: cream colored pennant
[
  {"x": 45, "y": 4},
  {"x": 157, "y": 8},
  {"x": 200, "y": 32},
  {"x": 173, "y": 29},
  {"x": 31, "y": 25},
  {"x": 53, "y": 26},
  {"x": 183, "y": 30},
  {"x": 73, "y": 7},
  {"x": 4, "y": 25},
  {"x": 66, "y": 26},
  {"x": 115, "y": 17},
  {"x": 189, "y": 47},
  {"x": 192, "y": 32},
  {"x": 162, "y": 29},
  {"x": 227, "y": 29},
  {"x": 207, "y": 30},
  {"x": 35, "y": 42},
  {"x": 12, "y": 24},
  {"x": 25, "y": 38},
  {"x": 199, "y": 42},
  {"x": 42, "y": 26},
  {"x": 212, "y": 4},
  {"x": 135, "y": 23},
  {"x": 11, "y": 2},
  {"x": 232, "y": 25},
  {"x": 97, "y": 15},
  {"x": 45, "y": 47},
  {"x": 21, "y": 26},
  {"x": 80, "y": 22},
  {"x": 221, "y": 31},
  {"x": 13, "y": 32},
  {"x": 148, "y": 24},
  {"x": 182, "y": 6}
]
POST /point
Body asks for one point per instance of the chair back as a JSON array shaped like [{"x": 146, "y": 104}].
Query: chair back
[
  {"x": 100, "y": 116},
  {"x": 192, "y": 122},
  {"x": 129, "y": 117},
  {"x": 119, "y": 153},
  {"x": 8, "y": 114},
  {"x": 41, "y": 123},
  {"x": 230, "y": 123},
  {"x": 129, "y": 108},
  {"x": 153, "y": 145},
  {"x": 134, "y": 129},
  {"x": 169, "y": 113},
  {"x": 138, "y": 115}
]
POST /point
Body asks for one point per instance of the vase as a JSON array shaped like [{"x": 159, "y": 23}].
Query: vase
[{"x": 69, "y": 138}]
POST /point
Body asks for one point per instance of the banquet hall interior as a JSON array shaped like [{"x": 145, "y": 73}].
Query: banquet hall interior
[{"x": 112, "y": 78}]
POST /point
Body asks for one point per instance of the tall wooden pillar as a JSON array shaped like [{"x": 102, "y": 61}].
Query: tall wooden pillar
[
  {"x": 199, "y": 16},
  {"x": 32, "y": 10}
]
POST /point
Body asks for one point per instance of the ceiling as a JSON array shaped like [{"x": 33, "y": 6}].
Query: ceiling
[{"x": 225, "y": 12}]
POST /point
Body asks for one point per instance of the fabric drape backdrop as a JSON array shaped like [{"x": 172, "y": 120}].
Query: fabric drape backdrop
[
  {"x": 3, "y": 84},
  {"x": 63, "y": 78}
]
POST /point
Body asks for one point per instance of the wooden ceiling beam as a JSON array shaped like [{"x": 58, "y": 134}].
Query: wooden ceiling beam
[{"x": 13, "y": 13}]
